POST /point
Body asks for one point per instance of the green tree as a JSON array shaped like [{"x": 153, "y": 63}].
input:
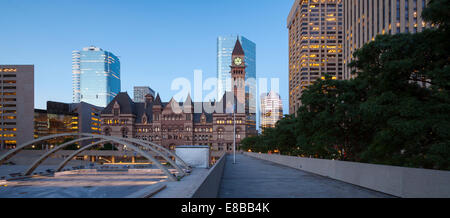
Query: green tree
[
  {"x": 396, "y": 111},
  {"x": 406, "y": 77},
  {"x": 283, "y": 134}
]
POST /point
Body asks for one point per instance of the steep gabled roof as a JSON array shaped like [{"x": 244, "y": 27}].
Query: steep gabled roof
[
  {"x": 158, "y": 100},
  {"x": 225, "y": 105},
  {"x": 168, "y": 105},
  {"x": 188, "y": 100},
  {"x": 238, "y": 48},
  {"x": 208, "y": 114},
  {"x": 126, "y": 104},
  {"x": 141, "y": 110}
]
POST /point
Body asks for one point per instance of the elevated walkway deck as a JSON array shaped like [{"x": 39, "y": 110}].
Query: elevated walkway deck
[{"x": 255, "y": 178}]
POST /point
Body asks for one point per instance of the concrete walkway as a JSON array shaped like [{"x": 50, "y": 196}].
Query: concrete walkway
[{"x": 255, "y": 178}]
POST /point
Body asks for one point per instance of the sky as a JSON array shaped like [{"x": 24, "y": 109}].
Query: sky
[{"x": 157, "y": 41}]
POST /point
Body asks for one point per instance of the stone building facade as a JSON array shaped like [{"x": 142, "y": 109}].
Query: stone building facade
[{"x": 183, "y": 123}]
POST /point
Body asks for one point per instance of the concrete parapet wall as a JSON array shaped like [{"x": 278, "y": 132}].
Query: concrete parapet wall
[
  {"x": 398, "y": 181},
  {"x": 210, "y": 186}
]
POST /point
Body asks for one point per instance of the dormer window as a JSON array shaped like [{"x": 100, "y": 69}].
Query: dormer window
[
  {"x": 116, "y": 109},
  {"x": 203, "y": 118},
  {"x": 144, "y": 119}
]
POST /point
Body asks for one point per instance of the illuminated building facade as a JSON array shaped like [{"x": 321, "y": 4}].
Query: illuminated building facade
[
  {"x": 67, "y": 118},
  {"x": 364, "y": 19},
  {"x": 16, "y": 105},
  {"x": 315, "y": 45},
  {"x": 271, "y": 109},
  {"x": 95, "y": 76}
]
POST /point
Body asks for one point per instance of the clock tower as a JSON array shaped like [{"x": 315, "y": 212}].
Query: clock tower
[{"x": 238, "y": 75}]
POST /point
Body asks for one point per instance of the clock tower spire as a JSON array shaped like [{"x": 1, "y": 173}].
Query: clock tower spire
[{"x": 238, "y": 73}]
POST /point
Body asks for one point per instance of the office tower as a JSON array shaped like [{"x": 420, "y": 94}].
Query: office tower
[
  {"x": 88, "y": 116},
  {"x": 95, "y": 75},
  {"x": 366, "y": 19},
  {"x": 315, "y": 45},
  {"x": 225, "y": 46},
  {"x": 16, "y": 105},
  {"x": 140, "y": 92},
  {"x": 271, "y": 109},
  {"x": 76, "y": 91}
]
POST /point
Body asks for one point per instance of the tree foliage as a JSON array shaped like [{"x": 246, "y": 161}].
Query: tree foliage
[{"x": 396, "y": 111}]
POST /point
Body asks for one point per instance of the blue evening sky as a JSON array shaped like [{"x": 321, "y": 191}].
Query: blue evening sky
[{"x": 157, "y": 40}]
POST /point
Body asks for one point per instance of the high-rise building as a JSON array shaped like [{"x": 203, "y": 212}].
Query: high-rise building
[
  {"x": 225, "y": 47},
  {"x": 366, "y": 19},
  {"x": 95, "y": 75},
  {"x": 315, "y": 45},
  {"x": 271, "y": 109},
  {"x": 140, "y": 92},
  {"x": 16, "y": 105}
]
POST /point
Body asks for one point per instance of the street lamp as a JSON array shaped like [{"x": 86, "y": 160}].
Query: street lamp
[{"x": 234, "y": 130}]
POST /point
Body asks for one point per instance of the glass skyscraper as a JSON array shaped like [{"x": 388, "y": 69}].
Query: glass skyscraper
[
  {"x": 225, "y": 46},
  {"x": 95, "y": 75}
]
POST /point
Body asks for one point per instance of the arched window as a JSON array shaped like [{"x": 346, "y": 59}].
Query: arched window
[{"x": 144, "y": 119}]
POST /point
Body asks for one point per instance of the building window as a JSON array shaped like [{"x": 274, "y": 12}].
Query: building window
[{"x": 125, "y": 133}]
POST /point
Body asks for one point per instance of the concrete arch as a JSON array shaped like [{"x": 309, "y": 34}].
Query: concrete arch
[
  {"x": 13, "y": 152},
  {"x": 160, "y": 147},
  {"x": 167, "y": 158},
  {"x": 71, "y": 156},
  {"x": 44, "y": 157},
  {"x": 19, "y": 148},
  {"x": 137, "y": 141},
  {"x": 109, "y": 139}
]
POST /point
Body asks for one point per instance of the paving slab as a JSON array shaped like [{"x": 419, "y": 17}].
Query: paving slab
[
  {"x": 83, "y": 184},
  {"x": 254, "y": 178}
]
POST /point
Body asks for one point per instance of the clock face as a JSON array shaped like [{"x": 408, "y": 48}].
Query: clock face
[{"x": 238, "y": 61}]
